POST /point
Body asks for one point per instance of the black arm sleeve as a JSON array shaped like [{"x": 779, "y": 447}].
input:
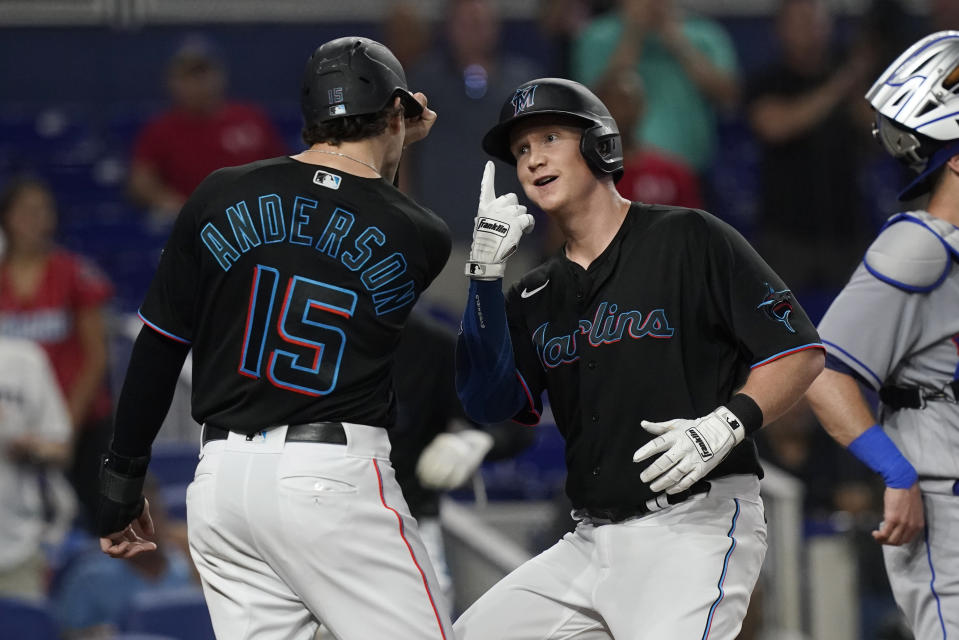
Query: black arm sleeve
[
  {"x": 147, "y": 392},
  {"x": 509, "y": 440}
]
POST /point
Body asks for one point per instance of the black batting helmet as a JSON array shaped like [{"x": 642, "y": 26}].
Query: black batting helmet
[
  {"x": 600, "y": 143},
  {"x": 353, "y": 76}
]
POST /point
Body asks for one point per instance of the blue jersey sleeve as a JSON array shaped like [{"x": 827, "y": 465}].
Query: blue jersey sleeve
[{"x": 487, "y": 382}]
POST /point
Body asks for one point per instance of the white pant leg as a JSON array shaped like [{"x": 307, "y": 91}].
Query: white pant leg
[
  {"x": 686, "y": 572},
  {"x": 245, "y": 596},
  {"x": 431, "y": 532},
  {"x": 924, "y": 574},
  {"x": 546, "y": 598},
  {"x": 332, "y": 524}
]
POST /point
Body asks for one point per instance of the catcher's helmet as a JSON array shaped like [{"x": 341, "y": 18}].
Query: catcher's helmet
[
  {"x": 353, "y": 76},
  {"x": 916, "y": 100},
  {"x": 600, "y": 142}
]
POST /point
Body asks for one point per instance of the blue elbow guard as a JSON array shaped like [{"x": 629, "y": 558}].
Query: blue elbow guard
[{"x": 880, "y": 454}]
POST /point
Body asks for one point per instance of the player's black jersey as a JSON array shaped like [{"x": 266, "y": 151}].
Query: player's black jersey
[
  {"x": 292, "y": 282},
  {"x": 666, "y": 323}
]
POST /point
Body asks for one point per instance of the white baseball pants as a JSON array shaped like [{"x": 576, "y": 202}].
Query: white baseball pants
[
  {"x": 287, "y": 534},
  {"x": 924, "y": 574},
  {"x": 683, "y": 573}
]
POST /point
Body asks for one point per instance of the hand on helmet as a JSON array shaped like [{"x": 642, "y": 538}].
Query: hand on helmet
[{"x": 419, "y": 126}]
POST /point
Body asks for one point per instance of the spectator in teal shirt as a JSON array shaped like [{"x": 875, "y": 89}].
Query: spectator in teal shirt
[{"x": 688, "y": 66}]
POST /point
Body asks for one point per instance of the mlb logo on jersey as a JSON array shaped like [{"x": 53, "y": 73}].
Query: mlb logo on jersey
[
  {"x": 523, "y": 99},
  {"x": 328, "y": 180},
  {"x": 492, "y": 226}
]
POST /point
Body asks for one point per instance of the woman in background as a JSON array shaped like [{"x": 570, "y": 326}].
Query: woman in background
[{"x": 57, "y": 298}]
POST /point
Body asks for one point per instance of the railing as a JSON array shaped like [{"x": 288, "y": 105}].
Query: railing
[
  {"x": 132, "y": 13},
  {"x": 782, "y": 575}
]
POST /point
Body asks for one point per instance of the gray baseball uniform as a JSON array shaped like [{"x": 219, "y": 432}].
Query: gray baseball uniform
[{"x": 897, "y": 323}]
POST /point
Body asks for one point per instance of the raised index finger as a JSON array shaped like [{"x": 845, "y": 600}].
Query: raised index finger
[{"x": 487, "y": 186}]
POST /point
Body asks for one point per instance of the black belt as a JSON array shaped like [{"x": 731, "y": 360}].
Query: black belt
[
  {"x": 328, "y": 432},
  {"x": 618, "y": 514},
  {"x": 898, "y": 397}
]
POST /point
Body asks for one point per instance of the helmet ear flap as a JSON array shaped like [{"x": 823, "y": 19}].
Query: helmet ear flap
[
  {"x": 906, "y": 146},
  {"x": 603, "y": 149}
]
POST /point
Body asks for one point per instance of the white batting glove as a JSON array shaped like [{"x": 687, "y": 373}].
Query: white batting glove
[
  {"x": 692, "y": 449},
  {"x": 499, "y": 224},
  {"x": 452, "y": 458}
]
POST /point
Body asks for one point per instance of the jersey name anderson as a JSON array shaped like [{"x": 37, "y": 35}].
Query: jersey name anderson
[
  {"x": 237, "y": 231},
  {"x": 606, "y": 327}
]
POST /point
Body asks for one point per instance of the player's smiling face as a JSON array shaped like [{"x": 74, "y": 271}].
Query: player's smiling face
[{"x": 549, "y": 164}]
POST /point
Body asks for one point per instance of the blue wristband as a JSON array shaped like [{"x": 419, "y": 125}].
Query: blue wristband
[{"x": 880, "y": 454}]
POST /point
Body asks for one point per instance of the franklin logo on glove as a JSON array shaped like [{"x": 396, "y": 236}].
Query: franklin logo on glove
[
  {"x": 493, "y": 226},
  {"x": 704, "y": 451},
  {"x": 684, "y": 461},
  {"x": 500, "y": 223}
]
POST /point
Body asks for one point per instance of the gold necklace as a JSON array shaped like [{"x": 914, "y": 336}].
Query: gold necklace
[{"x": 343, "y": 155}]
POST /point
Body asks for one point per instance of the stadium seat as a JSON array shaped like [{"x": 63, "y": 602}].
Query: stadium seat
[
  {"x": 56, "y": 134},
  {"x": 732, "y": 183},
  {"x": 174, "y": 500},
  {"x": 173, "y": 463},
  {"x": 26, "y": 619},
  {"x": 178, "y": 613},
  {"x": 289, "y": 122},
  {"x": 122, "y": 127},
  {"x": 62, "y": 558}
]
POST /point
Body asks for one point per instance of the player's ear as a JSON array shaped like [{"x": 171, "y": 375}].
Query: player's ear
[
  {"x": 953, "y": 164},
  {"x": 396, "y": 120}
]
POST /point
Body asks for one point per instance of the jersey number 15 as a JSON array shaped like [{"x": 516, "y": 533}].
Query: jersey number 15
[{"x": 313, "y": 368}]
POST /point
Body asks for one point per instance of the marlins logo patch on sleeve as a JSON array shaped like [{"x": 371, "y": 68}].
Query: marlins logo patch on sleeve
[{"x": 777, "y": 305}]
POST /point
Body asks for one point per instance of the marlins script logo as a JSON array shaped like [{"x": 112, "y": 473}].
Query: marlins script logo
[{"x": 523, "y": 99}]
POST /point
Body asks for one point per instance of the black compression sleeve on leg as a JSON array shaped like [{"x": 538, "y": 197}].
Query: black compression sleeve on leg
[{"x": 147, "y": 392}]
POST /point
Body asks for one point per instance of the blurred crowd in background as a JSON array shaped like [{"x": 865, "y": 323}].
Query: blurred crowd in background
[{"x": 759, "y": 120}]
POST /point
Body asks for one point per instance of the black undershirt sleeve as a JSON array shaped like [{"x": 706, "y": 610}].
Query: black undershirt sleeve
[{"x": 147, "y": 392}]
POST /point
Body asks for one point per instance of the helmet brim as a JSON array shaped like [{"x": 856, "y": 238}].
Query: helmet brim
[
  {"x": 496, "y": 140},
  {"x": 411, "y": 107}
]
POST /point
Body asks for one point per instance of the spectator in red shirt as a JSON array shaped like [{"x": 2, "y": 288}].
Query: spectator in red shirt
[
  {"x": 649, "y": 175},
  {"x": 57, "y": 299},
  {"x": 200, "y": 133}
]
